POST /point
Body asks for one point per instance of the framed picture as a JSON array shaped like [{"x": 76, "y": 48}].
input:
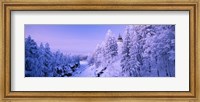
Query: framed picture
[{"x": 100, "y": 49}]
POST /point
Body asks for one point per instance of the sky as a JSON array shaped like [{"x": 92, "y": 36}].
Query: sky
[{"x": 75, "y": 39}]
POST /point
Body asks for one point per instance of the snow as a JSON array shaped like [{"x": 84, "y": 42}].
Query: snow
[
  {"x": 146, "y": 51},
  {"x": 85, "y": 70},
  {"x": 113, "y": 70},
  {"x": 90, "y": 71}
]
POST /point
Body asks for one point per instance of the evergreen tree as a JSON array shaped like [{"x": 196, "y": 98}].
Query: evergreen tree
[
  {"x": 48, "y": 69},
  {"x": 31, "y": 56},
  {"x": 126, "y": 55},
  {"x": 98, "y": 55},
  {"x": 135, "y": 60},
  {"x": 110, "y": 47},
  {"x": 159, "y": 49},
  {"x": 41, "y": 58}
]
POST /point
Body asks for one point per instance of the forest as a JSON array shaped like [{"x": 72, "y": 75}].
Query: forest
[{"x": 142, "y": 51}]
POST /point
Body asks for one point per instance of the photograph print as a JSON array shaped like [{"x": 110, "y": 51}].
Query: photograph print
[{"x": 99, "y": 50}]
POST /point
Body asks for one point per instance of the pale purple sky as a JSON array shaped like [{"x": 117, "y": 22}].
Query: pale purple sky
[{"x": 78, "y": 39}]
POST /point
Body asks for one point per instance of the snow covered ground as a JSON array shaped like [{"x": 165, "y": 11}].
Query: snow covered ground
[{"x": 85, "y": 70}]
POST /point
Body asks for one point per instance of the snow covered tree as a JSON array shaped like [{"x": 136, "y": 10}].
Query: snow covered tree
[
  {"x": 91, "y": 60},
  {"x": 98, "y": 55},
  {"x": 148, "y": 68},
  {"x": 41, "y": 62},
  {"x": 61, "y": 64},
  {"x": 110, "y": 47},
  {"x": 126, "y": 54},
  {"x": 135, "y": 60},
  {"x": 31, "y": 56},
  {"x": 40, "y": 59},
  {"x": 163, "y": 48},
  {"x": 48, "y": 68},
  {"x": 148, "y": 50},
  {"x": 159, "y": 49}
]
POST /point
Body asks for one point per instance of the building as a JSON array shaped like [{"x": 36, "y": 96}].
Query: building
[
  {"x": 119, "y": 43},
  {"x": 119, "y": 38}
]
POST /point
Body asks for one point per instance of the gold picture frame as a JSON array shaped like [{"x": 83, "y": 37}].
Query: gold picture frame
[{"x": 123, "y": 5}]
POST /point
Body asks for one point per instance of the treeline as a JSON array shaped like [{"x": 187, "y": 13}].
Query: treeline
[
  {"x": 105, "y": 54},
  {"x": 147, "y": 50},
  {"x": 41, "y": 62},
  {"x": 106, "y": 51}
]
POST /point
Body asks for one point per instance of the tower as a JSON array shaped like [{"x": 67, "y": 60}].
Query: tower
[
  {"x": 119, "y": 38},
  {"x": 119, "y": 43}
]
